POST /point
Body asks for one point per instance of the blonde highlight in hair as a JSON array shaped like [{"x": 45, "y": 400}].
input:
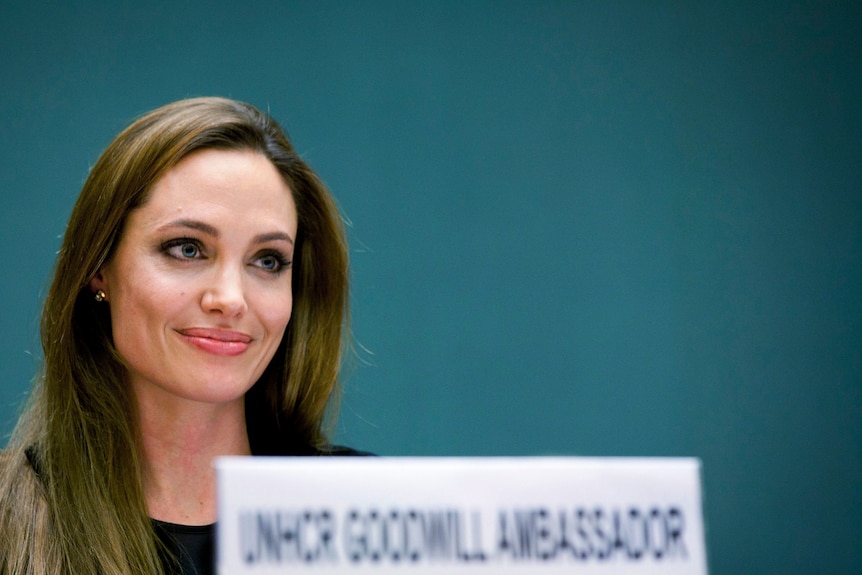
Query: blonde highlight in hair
[{"x": 71, "y": 497}]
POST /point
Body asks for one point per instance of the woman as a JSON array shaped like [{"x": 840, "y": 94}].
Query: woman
[{"x": 196, "y": 310}]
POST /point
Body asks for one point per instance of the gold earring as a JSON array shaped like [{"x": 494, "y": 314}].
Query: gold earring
[{"x": 101, "y": 296}]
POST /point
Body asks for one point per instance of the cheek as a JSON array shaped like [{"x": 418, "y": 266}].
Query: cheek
[
  {"x": 143, "y": 308},
  {"x": 273, "y": 310},
  {"x": 278, "y": 315}
]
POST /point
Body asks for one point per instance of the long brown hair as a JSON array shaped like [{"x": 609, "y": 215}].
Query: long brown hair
[{"x": 86, "y": 513}]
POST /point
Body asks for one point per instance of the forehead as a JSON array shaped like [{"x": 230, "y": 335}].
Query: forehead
[{"x": 231, "y": 186}]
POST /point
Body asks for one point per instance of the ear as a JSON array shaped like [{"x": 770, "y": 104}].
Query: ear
[{"x": 99, "y": 283}]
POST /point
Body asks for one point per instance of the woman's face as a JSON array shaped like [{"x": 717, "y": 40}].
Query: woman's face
[{"x": 199, "y": 287}]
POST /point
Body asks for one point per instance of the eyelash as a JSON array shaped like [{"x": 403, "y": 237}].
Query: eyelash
[
  {"x": 169, "y": 247},
  {"x": 281, "y": 262}
]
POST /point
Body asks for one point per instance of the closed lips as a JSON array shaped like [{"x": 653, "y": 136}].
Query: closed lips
[
  {"x": 217, "y": 341},
  {"x": 217, "y": 334}
]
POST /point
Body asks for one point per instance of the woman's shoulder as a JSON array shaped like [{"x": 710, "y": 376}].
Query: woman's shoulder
[
  {"x": 20, "y": 485},
  {"x": 13, "y": 460},
  {"x": 18, "y": 474},
  {"x": 27, "y": 538}
]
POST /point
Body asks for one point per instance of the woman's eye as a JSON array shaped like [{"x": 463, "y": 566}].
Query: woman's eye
[
  {"x": 269, "y": 263},
  {"x": 183, "y": 249},
  {"x": 274, "y": 263},
  {"x": 189, "y": 250}
]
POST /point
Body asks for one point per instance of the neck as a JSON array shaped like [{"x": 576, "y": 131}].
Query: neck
[{"x": 180, "y": 441}]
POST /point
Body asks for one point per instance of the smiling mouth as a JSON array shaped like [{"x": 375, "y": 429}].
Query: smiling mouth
[{"x": 217, "y": 341}]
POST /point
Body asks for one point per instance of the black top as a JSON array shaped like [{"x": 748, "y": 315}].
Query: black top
[{"x": 191, "y": 548}]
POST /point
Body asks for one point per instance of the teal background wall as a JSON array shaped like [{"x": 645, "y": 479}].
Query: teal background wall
[{"x": 588, "y": 228}]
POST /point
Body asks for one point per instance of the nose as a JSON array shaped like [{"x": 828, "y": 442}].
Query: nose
[{"x": 225, "y": 293}]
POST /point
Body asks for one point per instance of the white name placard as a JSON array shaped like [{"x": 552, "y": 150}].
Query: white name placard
[{"x": 521, "y": 515}]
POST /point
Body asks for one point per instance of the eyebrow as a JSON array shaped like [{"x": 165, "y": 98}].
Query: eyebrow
[
  {"x": 273, "y": 236},
  {"x": 193, "y": 224},
  {"x": 212, "y": 231}
]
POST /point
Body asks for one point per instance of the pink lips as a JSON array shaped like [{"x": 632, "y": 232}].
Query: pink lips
[{"x": 216, "y": 341}]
